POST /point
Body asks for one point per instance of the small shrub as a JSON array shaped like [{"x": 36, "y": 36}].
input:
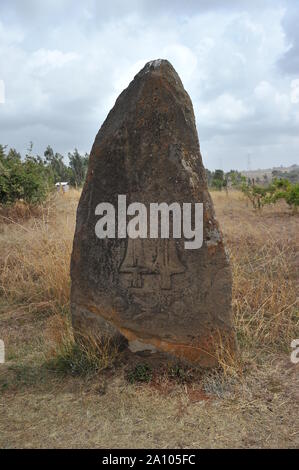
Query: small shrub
[
  {"x": 278, "y": 189},
  {"x": 141, "y": 373},
  {"x": 255, "y": 194},
  {"x": 87, "y": 355},
  {"x": 28, "y": 180},
  {"x": 180, "y": 373},
  {"x": 287, "y": 191}
]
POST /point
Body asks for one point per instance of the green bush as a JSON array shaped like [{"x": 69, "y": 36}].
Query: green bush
[
  {"x": 256, "y": 194},
  {"x": 278, "y": 189},
  {"x": 218, "y": 180},
  {"x": 141, "y": 373},
  {"x": 27, "y": 180},
  {"x": 292, "y": 196},
  {"x": 31, "y": 179}
]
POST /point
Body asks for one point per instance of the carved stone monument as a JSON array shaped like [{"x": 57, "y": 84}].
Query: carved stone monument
[{"x": 152, "y": 291}]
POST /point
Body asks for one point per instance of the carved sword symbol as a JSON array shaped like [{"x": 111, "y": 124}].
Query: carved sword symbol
[
  {"x": 134, "y": 262},
  {"x": 166, "y": 262}
]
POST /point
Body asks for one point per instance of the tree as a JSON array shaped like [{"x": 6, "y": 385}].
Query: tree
[
  {"x": 13, "y": 155},
  {"x": 209, "y": 176},
  {"x": 292, "y": 175},
  {"x": 265, "y": 178},
  {"x": 278, "y": 189},
  {"x": 30, "y": 179},
  {"x": 26, "y": 180},
  {"x": 78, "y": 165},
  {"x": 57, "y": 166},
  {"x": 218, "y": 180},
  {"x": 2, "y": 151},
  {"x": 284, "y": 189}
]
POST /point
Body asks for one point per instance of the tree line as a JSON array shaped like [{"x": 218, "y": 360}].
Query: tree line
[
  {"x": 260, "y": 192},
  {"x": 218, "y": 179},
  {"x": 32, "y": 178}
]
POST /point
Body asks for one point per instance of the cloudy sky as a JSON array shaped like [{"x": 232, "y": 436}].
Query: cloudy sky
[{"x": 64, "y": 62}]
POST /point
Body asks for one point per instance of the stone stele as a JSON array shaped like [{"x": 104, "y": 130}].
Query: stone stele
[{"x": 153, "y": 293}]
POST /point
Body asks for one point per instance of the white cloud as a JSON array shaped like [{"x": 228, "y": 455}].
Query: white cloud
[
  {"x": 224, "y": 110},
  {"x": 10, "y": 35},
  {"x": 295, "y": 91},
  {"x": 50, "y": 59},
  {"x": 184, "y": 58},
  {"x": 2, "y": 92},
  {"x": 264, "y": 90},
  {"x": 275, "y": 105},
  {"x": 64, "y": 67}
]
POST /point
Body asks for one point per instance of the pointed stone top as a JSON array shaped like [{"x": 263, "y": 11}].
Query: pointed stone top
[
  {"x": 154, "y": 64},
  {"x": 157, "y": 81},
  {"x": 158, "y": 65}
]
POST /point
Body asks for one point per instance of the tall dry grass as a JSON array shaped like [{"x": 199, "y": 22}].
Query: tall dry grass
[
  {"x": 89, "y": 354},
  {"x": 35, "y": 255},
  {"x": 263, "y": 247}
]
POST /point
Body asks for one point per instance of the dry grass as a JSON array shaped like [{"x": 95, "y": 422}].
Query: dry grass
[
  {"x": 251, "y": 402},
  {"x": 88, "y": 354},
  {"x": 264, "y": 254},
  {"x": 35, "y": 256}
]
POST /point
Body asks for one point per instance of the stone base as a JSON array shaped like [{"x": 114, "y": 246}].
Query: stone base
[{"x": 207, "y": 353}]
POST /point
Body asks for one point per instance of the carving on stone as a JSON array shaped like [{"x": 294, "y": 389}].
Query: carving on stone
[
  {"x": 166, "y": 262},
  {"x": 135, "y": 262}
]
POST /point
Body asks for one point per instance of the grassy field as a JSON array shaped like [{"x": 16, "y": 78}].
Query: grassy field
[{"x": 47, "y": 401}]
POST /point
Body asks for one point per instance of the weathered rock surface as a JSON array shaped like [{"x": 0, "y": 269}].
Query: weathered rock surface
[{"x": 173, "y": 300}]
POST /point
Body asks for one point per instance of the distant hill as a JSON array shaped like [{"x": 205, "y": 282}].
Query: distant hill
[{"x": 259, "y": 173}]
